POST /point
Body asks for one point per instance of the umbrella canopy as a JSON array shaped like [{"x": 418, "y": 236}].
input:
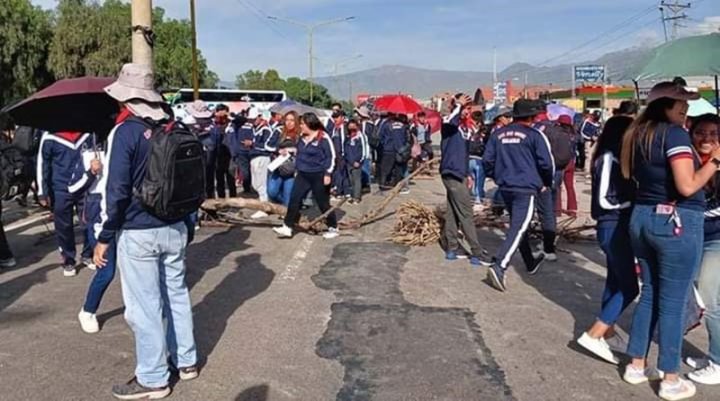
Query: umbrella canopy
[
  {"x": 556, "y": 110},
  {"x": 700, "y": 107},
  {"x": 691, "y": 56},
  {"x": 78, "y": 104},
  {"x": 434, "y": 118},
  {"x": 287, "y": 106},
  {"x": 398, "y": 104}
]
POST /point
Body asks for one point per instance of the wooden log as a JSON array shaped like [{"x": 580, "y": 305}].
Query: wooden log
[{"x": 242, "y": 203}]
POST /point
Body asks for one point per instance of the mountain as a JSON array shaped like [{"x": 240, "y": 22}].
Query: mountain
[{"x": 423, "y": 83}]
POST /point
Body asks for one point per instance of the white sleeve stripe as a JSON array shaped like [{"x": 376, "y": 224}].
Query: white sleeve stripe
[
  {"x": 605, "y": 203},
  {"x": 452, "y": 115},
  {"x": 552, "y": 158},
  {"x": 678, "y": 150},
  {"x": 78, "y": 185},
  {"x": 102, "y": 186},
  {"x": 39, "y": 170},
  {"x": 332, "y": 151}
]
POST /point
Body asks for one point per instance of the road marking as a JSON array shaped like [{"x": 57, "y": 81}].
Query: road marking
[
  {"x": 292, "y": 268},
  {"x": 26, "y": 222}
]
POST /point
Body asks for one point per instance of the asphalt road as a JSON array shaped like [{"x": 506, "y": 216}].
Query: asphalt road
[{"x": 356, "y": 318}]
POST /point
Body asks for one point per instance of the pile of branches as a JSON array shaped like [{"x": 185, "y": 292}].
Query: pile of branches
[{"x": 416, "y": 225}]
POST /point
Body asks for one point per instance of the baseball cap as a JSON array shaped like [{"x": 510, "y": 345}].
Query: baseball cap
[{"x": 671, "y": 90}]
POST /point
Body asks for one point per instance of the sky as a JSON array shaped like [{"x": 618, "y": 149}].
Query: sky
[{"x": 236, "y": 35}]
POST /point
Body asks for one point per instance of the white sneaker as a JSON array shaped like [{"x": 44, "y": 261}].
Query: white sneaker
[
  {"x": 283, "y": 232},
  {"x": 550, "y": 257},
  {"x": 696, "y": 363},
  {"x": 259, "y": 215},
  {"x": 680, "y": 390},
  {"x": 8, "y": 263},
  {"x": 634, "y": 375},
  {"x": 88, "y": 322},
  {"x": 331, "y": 233},
  {"x": 69, "y": 270},
  {"x": 709, "y": 375},
  {"x": 598, "y": 347}
]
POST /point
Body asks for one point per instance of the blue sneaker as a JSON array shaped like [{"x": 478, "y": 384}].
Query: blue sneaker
[
  {"x": 452, "y": 255},
  {"x": 477, "y": 261},
  {"x": 496, "y": 276}
]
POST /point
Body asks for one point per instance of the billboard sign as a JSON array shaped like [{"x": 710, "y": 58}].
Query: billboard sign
[{"x": 590, "y": 73}]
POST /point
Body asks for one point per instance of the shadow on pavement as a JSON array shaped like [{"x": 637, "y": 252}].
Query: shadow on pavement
[
  {"x": 255, "y": 393},
  {"x": 12, "y": 290},
  {"x": 247, "y": 279}
]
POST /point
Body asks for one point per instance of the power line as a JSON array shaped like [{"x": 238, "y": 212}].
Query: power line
[
  {"x": 678, "y": 13},
  {"x": 259, "y": 15}
]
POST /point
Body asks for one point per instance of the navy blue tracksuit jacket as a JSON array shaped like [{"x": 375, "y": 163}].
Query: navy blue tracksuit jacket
[
  {"x": 454, "y": 160},
  {"x": 393, "y": 136}
]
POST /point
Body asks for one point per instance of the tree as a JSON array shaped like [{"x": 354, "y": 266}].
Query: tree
[
  {"x": 95, "y": 39},
  {"x": 296, "y": 88},
  {"x": 25, "y": 32},
  {"x": 252, "y": 79}
]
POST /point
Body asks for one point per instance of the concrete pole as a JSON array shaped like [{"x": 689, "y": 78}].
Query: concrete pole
[
  {"x": 141, "y": 18},
  {"x": 195, "y": 72},
  {"x": 310, "y": 49}
]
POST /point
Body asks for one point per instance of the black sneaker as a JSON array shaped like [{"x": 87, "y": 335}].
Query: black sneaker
[
  {"x": 186, "y": 373},
  {"x": 535, "y": 266},
  {"x": 133, "y": 390}
]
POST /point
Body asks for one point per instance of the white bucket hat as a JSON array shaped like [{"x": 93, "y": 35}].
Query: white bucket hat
[
  {"x": 135, "y": 87},
  {"x": 199, "y": 109}
]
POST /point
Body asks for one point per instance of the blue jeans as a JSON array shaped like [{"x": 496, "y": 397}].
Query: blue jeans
[
  {"x": 709, "y": 288},
  {"x": 366, "y": 168},
  {"x": 621, "y": 284},
  {"x": 152, "y": 269},
  {"x": 668, "y": 263},
  {"x": 103, "y": 276},
  {"x": 279, "y": 189},
  {"x": 478, "y": 174}
]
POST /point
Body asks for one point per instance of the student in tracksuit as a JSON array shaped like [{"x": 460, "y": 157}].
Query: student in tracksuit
[
  {"x": 366, "y": 129},
  {"x": 241, "y": 142},
  {"x": 86, "y": 183},
  {"x": 546, "y": 199},
  {"x": 394, "y": 136},
  {"x": 340, "y": 183},
  {"x": 266, "y": 144},
  {"x": 59, "y": 153},
  {"x": 611, "y": 207},
  {"x": 518, "y": 158},
  {"x": 355, "y": 155},
  {"x": 455, "y": 177}
]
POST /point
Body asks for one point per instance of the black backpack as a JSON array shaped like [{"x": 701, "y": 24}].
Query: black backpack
[
  {"x": 27, "y": 140},
  {"x": 12, "y": 171},
  {"x": 374, "y": 139},
  {"x": 174, "y": 182},
  {"x": 562, "y": 145}
]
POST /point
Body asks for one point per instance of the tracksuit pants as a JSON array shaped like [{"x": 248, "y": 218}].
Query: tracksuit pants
[
  {"x": 391, "y": 172},
  {"x": 546, "y": 210},
  {"x": 210, "y": 161},
  {"x": 5, "y": 252},
  {"x": 521, "y": 206},
  {"x": 225, "y": 173},
  {"x": 103, "y": 276},
  {"x": 65, "y": 206},
  {"x": 242, "y": 161},
  {"x": 259, "y": 173},
  {"x": 304, "y": 183}
]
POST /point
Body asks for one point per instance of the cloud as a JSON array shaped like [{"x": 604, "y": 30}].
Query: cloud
[{"x": 706, "y": 26}]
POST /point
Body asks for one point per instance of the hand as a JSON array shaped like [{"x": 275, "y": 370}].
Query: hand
[
  {"x": 356, "y": 165},
  {"x": 464, "y": 100},
  {"x": 95, "y": 166},
  {"x": 470, "y": 183},
  {"x": 44, "y": 202},
  {"x": 283, "y": 152},
  {"x": 247, "y": 143},
  {"x": 99, "y": 255},
  {"x": 544, "y": 189},
  {"x": 715, "y": 154},
  {"x": 326, "y": 180}
]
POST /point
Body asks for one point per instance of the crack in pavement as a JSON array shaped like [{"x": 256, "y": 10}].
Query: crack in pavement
[{"x": 392, "y": 349}]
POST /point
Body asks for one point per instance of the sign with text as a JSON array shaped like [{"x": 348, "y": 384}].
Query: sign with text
[
  {"x": 500, "y": 92},
  {"x": 589, "y": 73}
]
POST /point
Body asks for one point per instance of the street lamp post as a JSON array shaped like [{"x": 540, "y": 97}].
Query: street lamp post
[{"x": 310, "y": 28}]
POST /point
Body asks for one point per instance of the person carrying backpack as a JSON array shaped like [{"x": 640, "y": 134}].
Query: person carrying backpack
[
  {"x": 563, "y": 151},
  {"x": 148, "y": 216}
]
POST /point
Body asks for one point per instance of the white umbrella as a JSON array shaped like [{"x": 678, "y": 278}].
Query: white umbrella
[{"x": 700, "y": 107}]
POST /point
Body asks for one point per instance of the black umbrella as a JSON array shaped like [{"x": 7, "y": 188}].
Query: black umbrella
[{"x": 78, "y": 104}]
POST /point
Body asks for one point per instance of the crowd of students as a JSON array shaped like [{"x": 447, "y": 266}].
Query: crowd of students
[{"x": 654, "y": 197}]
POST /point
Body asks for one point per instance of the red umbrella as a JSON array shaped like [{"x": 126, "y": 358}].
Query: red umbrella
[
  {"x": 434, "y": 118},
  {"x": 78, "y": 104},
  {"x": 398, "y": 104}
]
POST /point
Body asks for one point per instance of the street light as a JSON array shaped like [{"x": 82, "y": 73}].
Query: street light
[{"x": 310, "y": 28}]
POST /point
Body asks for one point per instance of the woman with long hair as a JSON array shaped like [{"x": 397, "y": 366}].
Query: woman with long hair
[
  {"x": 611, "y": 207},
  {"x": 315, "y": 164},
  {"x": 704, "y": 134},
  {"x": 666, "y": 230},
  {"x": 282, "y": 178}
]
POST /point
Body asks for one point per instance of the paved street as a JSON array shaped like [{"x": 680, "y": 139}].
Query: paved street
[{"x": 357, "y": 318}]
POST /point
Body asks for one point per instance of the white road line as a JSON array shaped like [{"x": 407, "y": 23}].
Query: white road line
[
  {"x": 26, "y": 222},
  {"x": 292, "y": 268}
]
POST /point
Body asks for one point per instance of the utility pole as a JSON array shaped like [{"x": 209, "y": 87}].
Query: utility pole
[
  {"x": 678, "y": 13},
  {"x": 662, "y": 20},
  {"x": 195, "y": 73},
  {"x": 142, "y": 35},
  {"x": 525, "y": 88},
  {"x": 310, "y": 28}
]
